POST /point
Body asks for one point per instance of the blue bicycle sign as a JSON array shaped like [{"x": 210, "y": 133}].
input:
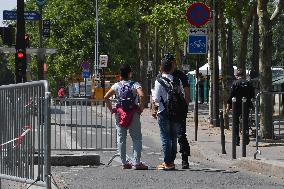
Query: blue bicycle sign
[{"x": 197, "y": 44}]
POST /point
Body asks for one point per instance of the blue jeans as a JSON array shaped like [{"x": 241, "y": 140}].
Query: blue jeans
[
  {"x": 168, "y": 133},
  {"x": 136, "y": 135}
]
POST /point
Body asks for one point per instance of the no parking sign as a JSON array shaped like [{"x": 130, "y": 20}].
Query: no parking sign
[{"x": 198, "y": 14}]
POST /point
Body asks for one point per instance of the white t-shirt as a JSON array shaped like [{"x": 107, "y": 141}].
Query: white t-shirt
[
  {"x": 116, "y": 87},
  {"x": 160, "y": 92}
]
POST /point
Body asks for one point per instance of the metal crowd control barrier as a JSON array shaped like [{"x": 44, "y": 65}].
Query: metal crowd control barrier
[
  {"x": 81, "y": 124},
  {"x": 25, "y": 133},
  {"x": 277, "y": 117}
]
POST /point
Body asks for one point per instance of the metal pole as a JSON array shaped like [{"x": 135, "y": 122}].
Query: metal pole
[
  {"x": 85, "y": 81},
  {"x": 96, "y": 65},
  {"x": 196, "y": 97},
  {"x": 215, "y": 67},
  {"x": 234, "y": 134},
  {"x": 244, "y": 126},
  {"x": 103, "y": 84},
  {"x": 207, "y": 85},
  {"x": 47, "y": 140},
  {"x": 222, "y": 132},
  {"x": 40, "y": 53},
  {"x": 257, "y": 123},
  {"x": 20, "y": 39}
]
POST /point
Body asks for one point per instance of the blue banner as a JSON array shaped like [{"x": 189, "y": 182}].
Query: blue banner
[{"x": 12, "y": 15}]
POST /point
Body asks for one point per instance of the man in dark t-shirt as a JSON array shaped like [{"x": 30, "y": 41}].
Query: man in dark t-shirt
[{"x": 182, "y": 140}]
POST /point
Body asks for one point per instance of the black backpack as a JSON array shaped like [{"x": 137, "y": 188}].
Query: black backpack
[
  {"x": 126, "y": 98},
  {"x": 175, "y": 105}
]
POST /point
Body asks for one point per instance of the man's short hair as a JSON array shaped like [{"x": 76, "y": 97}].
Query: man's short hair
[
  {"x": 239, "y": 73},
  {"x": 125, "y": 69},
  {"x": 169, "y": 57},
  {"x": 166, "y": 66}
]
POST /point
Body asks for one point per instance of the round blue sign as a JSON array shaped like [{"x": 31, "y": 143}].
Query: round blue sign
[{"x": 86, "y": 74}]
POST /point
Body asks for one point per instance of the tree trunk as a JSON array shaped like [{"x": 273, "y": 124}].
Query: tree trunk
[
  {"x": 143, "y": 60},
  {"x": 255, "y": 51},
  {"x": 243, "y": 21},
  {"x": 230, "y": 75},
  {"x": 265, "y": 59},
  {"x": 210, "y": 63},
  {"x": 156, "y": 52},
  {"x": 241, "y": 64},
  {"x": 225, "y": 87},
  {"x": 176, "y": 44}
]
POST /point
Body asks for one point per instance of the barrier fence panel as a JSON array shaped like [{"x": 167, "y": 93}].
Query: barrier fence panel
[
  {"x": 81, "y": 124},
  {"x": 25, "y": 133},
  {"x": 277, "y": 117}
]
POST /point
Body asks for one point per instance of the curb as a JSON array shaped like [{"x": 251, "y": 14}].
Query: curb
[
  {"x": 268, "y": 167},
  {"x": 73, "y": 159},
  {"x": 262, "y": 166}
]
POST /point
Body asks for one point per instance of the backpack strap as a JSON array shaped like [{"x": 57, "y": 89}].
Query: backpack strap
[
  {"x": 131, "y": 84},
  {"x": 162, "y": 80}
]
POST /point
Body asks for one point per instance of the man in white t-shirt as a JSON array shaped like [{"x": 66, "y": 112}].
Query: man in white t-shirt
[{"x": 168, "y": 128}]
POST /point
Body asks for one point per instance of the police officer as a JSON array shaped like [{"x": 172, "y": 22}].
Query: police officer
[
  {"x": 182, "y": 140},
  {"x": 241, "y": 88}
]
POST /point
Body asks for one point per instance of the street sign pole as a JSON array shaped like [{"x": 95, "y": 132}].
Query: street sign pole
[
  {"x": 85, "y": 82},
  {"x": 40, "y": 55},
  {"x": 196, "y": 97},
  {"x": 197, "y": 15},
  {"x": 216, "y": 121}
]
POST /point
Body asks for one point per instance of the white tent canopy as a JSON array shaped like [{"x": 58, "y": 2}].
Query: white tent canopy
[{"x": 205, "y": 68}]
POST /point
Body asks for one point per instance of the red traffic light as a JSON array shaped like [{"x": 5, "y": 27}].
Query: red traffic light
[{"x": 20, "y": 55}]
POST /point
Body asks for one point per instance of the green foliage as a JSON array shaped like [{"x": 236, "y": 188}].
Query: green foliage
[
  {"x": 73, "y": 31},
  {"x": 6, "y": 75}
]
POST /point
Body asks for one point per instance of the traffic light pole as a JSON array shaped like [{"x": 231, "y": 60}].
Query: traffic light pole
[{"x": 20, "y": 42}]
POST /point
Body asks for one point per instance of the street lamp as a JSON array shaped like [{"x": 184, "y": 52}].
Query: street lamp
[{"x": 96, "y": 64}]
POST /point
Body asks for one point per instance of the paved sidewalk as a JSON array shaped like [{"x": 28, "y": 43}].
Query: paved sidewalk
[{"x": 208, "y": 147}]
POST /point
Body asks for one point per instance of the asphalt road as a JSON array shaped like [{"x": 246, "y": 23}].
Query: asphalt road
[{"x": 201, "y": 174}]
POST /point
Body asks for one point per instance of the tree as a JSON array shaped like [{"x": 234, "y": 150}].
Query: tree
[
  {"x": 225, "y": 65},
  {"x": 6, "y": 75},
  {"x": 242, "y": 12},
  {"x": 265, "y": 60}
]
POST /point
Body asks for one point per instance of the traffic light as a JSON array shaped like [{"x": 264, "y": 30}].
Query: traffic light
[{"x": 21, "y": 65}]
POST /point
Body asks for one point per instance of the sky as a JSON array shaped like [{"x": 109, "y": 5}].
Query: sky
[{"x": 6, "y": 5}]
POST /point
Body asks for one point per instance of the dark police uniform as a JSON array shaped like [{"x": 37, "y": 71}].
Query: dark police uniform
[{"x": 241, "y": 88}]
